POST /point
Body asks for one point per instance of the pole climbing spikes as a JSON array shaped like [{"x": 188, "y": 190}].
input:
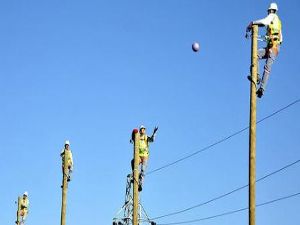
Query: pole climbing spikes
[{"x": 124, "y": 215}]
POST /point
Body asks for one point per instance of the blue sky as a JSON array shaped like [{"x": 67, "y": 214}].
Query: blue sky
[{"x": 91, "y": 71}]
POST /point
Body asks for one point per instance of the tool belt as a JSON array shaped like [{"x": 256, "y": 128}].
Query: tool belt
[
  {"x": 274, "y": 40},
  {"x": 143, "y": 152}
]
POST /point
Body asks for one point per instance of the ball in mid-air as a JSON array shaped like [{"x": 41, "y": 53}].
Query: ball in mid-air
[{"x": 195, "y": 46}]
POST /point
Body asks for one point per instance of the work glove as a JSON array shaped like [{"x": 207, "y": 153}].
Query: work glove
[
  {"x": 247, "y": 35},
  {"x": 249, "y": 27},
  {"x": 155, "y": 129}
]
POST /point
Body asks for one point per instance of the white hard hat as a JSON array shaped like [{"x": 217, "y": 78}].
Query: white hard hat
[
  {"x": 67, "y": 142},
  {"x": 142, "y": 127},
  {"x": 25, "y": 193},
  {"x": 273, "y": 6}
]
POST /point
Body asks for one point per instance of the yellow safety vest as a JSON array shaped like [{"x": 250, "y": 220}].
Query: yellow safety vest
[
  {"x": 69, "y": 157},
  {"x": 24, "y": 204},
  {"x": 143, "y": 146},
  {"x": 274, "y": 32}
]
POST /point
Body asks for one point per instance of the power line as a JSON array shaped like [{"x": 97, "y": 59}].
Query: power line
[
  {"x": 231, "y": 212},
  {"x": 223, "y": 139},
  {"x": 226, "y": 194}
]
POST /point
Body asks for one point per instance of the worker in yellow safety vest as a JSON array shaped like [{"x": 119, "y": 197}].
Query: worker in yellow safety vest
[
  {"x": 23, "y": 210},
  {"x": 66, "y": 153},
  {"x": 274, "y": 40},
  {"x": 143, "y": 146}
]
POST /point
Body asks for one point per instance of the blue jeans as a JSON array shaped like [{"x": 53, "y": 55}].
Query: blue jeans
[{"x": 270, "y": 56}]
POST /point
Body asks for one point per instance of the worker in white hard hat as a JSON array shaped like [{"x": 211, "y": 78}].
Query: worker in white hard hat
[
  {"x": 23, "y": 211},
  {"x": 66, "y": 153},
  {"x": 144, "y": 141},
  {"x": 274, "y": 40}
]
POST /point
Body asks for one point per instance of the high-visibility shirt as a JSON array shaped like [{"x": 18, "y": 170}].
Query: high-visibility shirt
[
  {"x": 144, "y": 144},
  {"x": 69, "y": 157},
  {"x": 24, "y": 204},
  {"x": 273, "y": 24},
  {"x": 274, "y": 31}
]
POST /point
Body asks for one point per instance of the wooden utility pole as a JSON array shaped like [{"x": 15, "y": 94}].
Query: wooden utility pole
[
  {"x": 64, "y": 190},
  {"x": 252, "y": 127},
  {"x": 18, "y": 211},
  {"x": 136, "y": 179}
]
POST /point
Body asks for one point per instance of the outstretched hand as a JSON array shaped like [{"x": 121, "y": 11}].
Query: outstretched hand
[
  {"x": 155, "y": 129},
  {"x": 249, "y": 27},
  {"x": 247, "y": 35}
]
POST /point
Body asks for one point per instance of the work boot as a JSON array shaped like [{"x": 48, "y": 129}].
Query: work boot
[
  {"x": 140, "y": 188},
  {"x": 260, "y": 92},
  {"x": 69, "y": 178}
]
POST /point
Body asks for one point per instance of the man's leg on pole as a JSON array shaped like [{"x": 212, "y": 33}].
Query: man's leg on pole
[
  {"x": 140, "y": 174},
  {"x": 261, "y": 54},
  {"x": 69, "y": 174},
  {"x": 144, "y": 161},
  {"x": 23, "y": 216},
  {"x": 267, "y": 69}
]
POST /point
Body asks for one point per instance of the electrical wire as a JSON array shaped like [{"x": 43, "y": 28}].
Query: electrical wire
[
  {"x": 231, "y": 212},
  {"x": 223, "y": 139},
  {"x": 226, "y": 194}
]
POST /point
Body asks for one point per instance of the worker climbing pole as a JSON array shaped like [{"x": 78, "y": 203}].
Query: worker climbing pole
[
  {"x": 273, "y": 38},
  {"x": 125, "y": 215},
  {"x": 67, "y": 168},
  {"x": 252, "y": 127},
  {"x": 142, "y": 151},
  {"x": 270, "y": 52},
  {"x": 133, "y": 211},
  {"x": 22, "y": 212}
]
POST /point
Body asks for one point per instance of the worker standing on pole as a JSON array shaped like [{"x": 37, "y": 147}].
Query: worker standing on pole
[
  {"x": 274, "y": 40},
  {"x": 69, "y": 159},
  {"x": 67, "y": 168},
  {"x": 144, "y": 141},
  {"x": 23, "y": 210}
]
